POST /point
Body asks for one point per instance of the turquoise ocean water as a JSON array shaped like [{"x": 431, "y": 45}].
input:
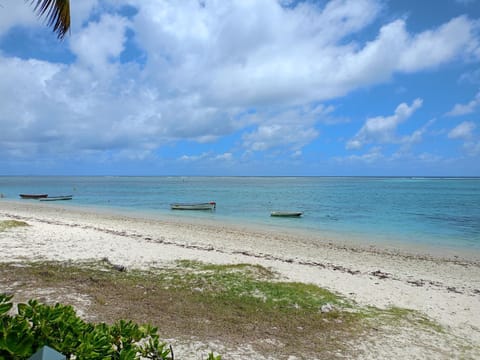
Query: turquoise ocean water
[{"x": 431, "y": 212}]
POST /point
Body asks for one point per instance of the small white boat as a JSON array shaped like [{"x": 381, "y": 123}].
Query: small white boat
[
  {"x": 286, "y": 213},
  {"x": 55, "y": 198},
  {"x": 194, "y": 206}
]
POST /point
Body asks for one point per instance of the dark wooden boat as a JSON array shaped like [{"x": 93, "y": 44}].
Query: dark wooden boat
[
  {"x": 194, "y": 206},
  {"x": 56, "y": 198},
  {"x": 286, "y": 213},
  {"x": 33, "y": 196}
]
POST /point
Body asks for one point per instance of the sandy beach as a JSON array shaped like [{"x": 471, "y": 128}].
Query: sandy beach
[{"x": 445, "y": 288}]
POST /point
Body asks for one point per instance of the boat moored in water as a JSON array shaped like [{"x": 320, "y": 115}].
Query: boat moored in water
[
  {"x": 55, "y": 198},
  {"x": 194, "y": 206},
  {"x": 33, "y": 196},
  {"x": 286, "y": 213}
]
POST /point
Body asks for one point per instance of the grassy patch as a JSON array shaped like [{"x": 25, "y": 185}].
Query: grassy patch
[
  {"x": 235, "y": 304},
  {"x": 256, "y": 286},
  {"x": 8, "y": 224},
  {"x": 396, "y": 315}
]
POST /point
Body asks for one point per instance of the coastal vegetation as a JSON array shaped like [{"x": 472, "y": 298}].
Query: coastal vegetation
[
  {"x": 8, "y": 224},
  {"x": 36, "y": 325},
  {"x": 193, "y": 301}
]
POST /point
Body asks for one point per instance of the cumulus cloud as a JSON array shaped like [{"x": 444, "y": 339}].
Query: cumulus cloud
[
  {"x": 382, "y": 129},
  {"x": 278, "y": 135},
  {"x": 463, "y": 109},
  {"x": 290, "y": 129},
  {"x": 100, "y": 44},
  {"x": 228, "y": 156},
  {"x": 81, "y": 12},
  {"x": 371, "y": 156},
  {"x": 205, "y": 68},
  {"x": 465, "y": 131},
  {"x": 462, "y": 131},
  {"x": 256, "y": 53},
  {"x": 434, "y": 47},
  {"x": 26, "y": 99},
  {"x": 15, "y": 13},
  {"x": 417, "y": 135}
]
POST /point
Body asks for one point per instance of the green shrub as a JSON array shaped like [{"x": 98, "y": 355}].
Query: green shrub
[{"x": 60, "y": 328}]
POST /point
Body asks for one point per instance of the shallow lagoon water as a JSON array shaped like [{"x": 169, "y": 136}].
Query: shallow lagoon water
[{"x": 427, "y": 212}]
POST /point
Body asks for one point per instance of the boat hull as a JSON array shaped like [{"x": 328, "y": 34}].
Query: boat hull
[
  {"x": 57, "y": 198},
  {"x": 33, "y": 196},
  {"x": 286, "y": 213},
  {"x": 193, "y": 206}
]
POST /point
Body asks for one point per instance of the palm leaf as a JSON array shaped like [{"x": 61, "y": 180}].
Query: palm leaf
[{"x": 56, "y": 13}]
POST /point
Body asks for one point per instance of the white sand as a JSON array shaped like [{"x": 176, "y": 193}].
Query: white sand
[{"x": 445, "y": 289}]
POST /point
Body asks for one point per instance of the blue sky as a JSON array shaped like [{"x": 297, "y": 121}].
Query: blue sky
[{"x": 242, "y": 87}]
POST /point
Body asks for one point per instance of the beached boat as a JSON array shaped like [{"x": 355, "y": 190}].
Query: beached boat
[
  {"x": 194, "y": 206},
  {"x": 286, "y": 213},
  {"x": 33, "y": 196},
  {"x": 55, "y": 198}
]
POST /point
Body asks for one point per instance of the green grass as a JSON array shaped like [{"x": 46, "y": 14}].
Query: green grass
[
  {"x": 8, "y": 224},
  {"x": 235, "y": 303},
  {"x": 396, "y": 315},
  {"x": 253, "y": 285}
]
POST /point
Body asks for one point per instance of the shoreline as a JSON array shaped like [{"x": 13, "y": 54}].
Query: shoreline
[
  {"x": 447, "y": 289},
  {"x": 355, "y": 242}
]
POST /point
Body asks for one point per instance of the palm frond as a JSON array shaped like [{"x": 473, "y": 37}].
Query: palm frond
[{"x": 56, "y": 13}]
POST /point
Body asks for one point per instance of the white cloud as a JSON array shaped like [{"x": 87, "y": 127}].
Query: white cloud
[
  {"x": 81, "y": 12},
  {"x": 284, "y": 55},
  {"x": 203, "y": 68},
  {"x": 375, "y": 158},
  {"x": 21, "y": 13},
  {"x": 417, "y": 135},
  {"x": 382, "y": 129},
  {"x": 434, "y": 47},
  {"x": 289, "y": 130},
  {"x": 26, "y": 99},
  {"x": 462, "y": 131},
  {"x": 228, "y": 156},
  {"x": 189, "y": 158},
  {"x": 463, "y": 109},
  {"x": 16, "y": 13},
  {"x": 208, "y": 156},
  {"x": 429, "y": 158},
  {"x": 275, "y": 135},
  {"x": 465, "y": 131},
  {"x": 370, "y": 157},
  {"x": 100, "y": 44}
]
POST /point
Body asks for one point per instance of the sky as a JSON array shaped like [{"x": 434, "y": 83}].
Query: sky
[{"x": 242, "y": 87}]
